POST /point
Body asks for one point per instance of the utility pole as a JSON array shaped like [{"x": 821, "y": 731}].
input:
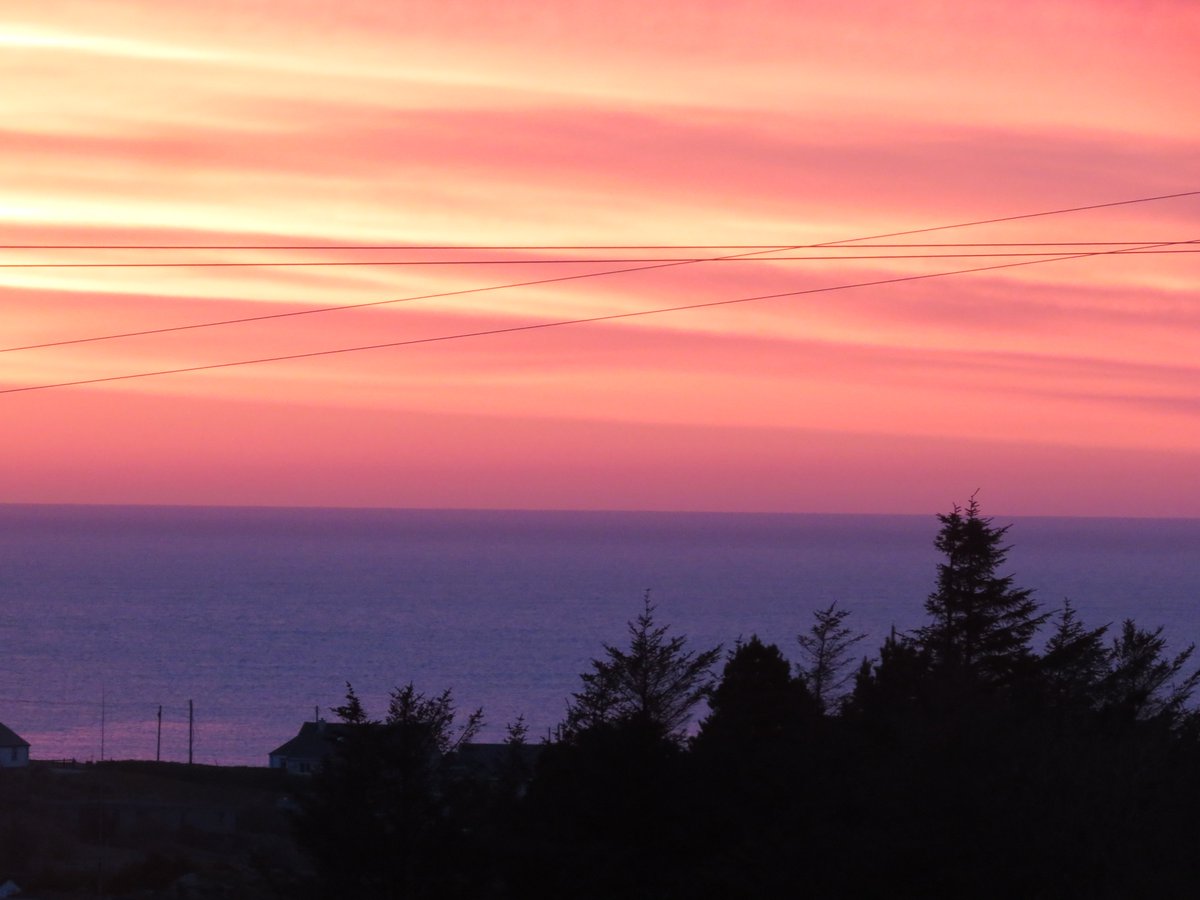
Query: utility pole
[
  {"x": 158, "y": 740},
  {"x": 103, "y": 704},
  {"x": 191, "y": 729}
]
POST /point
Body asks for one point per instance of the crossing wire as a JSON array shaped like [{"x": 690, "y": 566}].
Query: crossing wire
[
  {"x": 536, "y": 326},
  {"x": 584, "y": 275}
]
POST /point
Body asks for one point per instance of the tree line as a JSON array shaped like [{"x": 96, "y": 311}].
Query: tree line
[{"x": 998, "y": 750}]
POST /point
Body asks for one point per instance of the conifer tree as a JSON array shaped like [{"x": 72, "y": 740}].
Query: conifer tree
[
  {"x": 1075, "y": 665},
  {"x": 893, "y": 683},
  {"x": 826, "y": 649},
  {"x": 382, "y": 817},
  {"x": 656, "y": 681},
  {"x": 1144, "y": 683},
  {"x": 757, "y": 700},
  {"x": 981, "y": 624}
]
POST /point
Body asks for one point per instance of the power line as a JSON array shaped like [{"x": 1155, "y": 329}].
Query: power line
[
  {"x": 430, "y": 247},
  {"x": 374, "y": 303},
  {"x": 176, "y": 707},
  {"x": 341, "y": 307},
  {"x": 1016, "y": 218},
  {"x": 610, "y": 317},
  {"x": 543, "y": 262},
  {"x": 582, "y": 275},
  {"x": 563, "y": 247}
]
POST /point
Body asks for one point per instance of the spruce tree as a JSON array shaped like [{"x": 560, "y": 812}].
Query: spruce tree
[
  {"x": 1075, "y": 666},
  {"x": 981, "y": 624},
  {"x": 656, "y": 681},
  {"x": 1145, "y": 683}
]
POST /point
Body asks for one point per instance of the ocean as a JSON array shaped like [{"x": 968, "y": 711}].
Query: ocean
[{"x": 259, "y": 617}]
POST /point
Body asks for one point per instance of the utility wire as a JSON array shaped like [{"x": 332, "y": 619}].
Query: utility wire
[
  {"x": 344, "y": 306},
  {"x": 536, "y": 326},
  {"x": 178, "y": 706},
  {"x": 582, "y": 275},
  {"x": 558, "y": 247},
  {"x": 541, "y": 262}
]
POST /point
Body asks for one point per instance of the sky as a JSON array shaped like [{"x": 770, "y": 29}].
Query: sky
[{"x": 675, "y": 131}]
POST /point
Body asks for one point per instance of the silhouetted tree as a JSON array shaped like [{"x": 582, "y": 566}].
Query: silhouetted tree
[
  {"x": 826, "y": 648},
  {"x": 756, "y": 701},
  {"x": 380, "y": 818},
  {"x": 892, "y": 684},
  {"x": 351, "y": 712},
  {"x": 606, "y": 815},
  {"x": 963, "y": 763},
  {"x": 755, "y": 759},
  {"x": 515, "y": 769},
  {"x": 987, "y": 769},
  {"x": 981, "y": 625},
  {"x": 1075, "y": 665},
  {"x": 427, "y": 723},
  {"x": 1145, "y": 684},
  {"x": 607, "y": 812},
  {"x": 656, "y": 680}
]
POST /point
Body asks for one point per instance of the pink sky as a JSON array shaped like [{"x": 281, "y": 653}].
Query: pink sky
[{"x": 1064, "y": 388}]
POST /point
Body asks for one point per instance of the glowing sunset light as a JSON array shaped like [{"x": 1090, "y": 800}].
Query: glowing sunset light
[{"x": 518, "y": 133}]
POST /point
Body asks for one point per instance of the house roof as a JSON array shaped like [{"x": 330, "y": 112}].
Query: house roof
[
  {"x": 315, "y": 741},
  {"x": 312, "y": 742},
  {"x": 9, "y": 738}
]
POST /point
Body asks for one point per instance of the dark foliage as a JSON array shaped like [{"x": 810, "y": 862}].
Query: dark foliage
[
  {"x": 826, "y": 655},
  {"x": 756, "y": 703},
  {"x": 656, "y": 681},
  {"x": 981, "y": 626},
  {"x": 606, "y": 815},
  {"x": 385, "y": 816},
  {"x": 965, "y": 762},
  {"x": 1143, "y": 683}
]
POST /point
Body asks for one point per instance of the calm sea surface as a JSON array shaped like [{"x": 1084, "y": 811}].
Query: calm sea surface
[{"x": 260, "y": 615}]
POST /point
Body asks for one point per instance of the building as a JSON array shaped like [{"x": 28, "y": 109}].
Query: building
[
  {"x": 302, "y": 755},
  {"x": 14, "y": 749}
]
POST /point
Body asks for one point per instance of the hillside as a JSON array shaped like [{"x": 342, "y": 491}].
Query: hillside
[{"x": 146, "y": 830}]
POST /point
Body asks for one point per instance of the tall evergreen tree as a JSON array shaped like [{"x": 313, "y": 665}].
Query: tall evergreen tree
[
  {"x": 981, "y": 624},
  {"x": 656, "y": 681},
  {"x": 608, "y": 812}
]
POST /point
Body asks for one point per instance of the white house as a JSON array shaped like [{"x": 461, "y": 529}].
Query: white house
[{"x": 14, "y": 750}]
